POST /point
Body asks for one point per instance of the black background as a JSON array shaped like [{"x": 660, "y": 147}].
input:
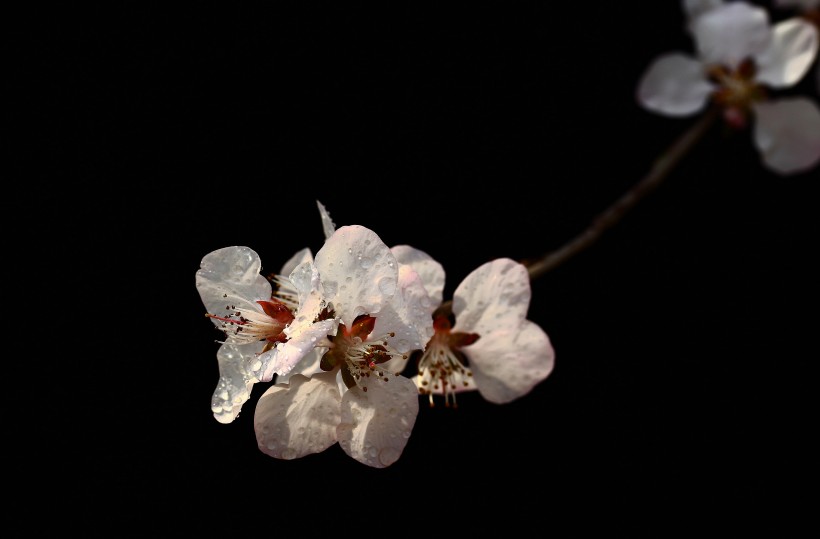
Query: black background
[{"x": 683, "y": 337}]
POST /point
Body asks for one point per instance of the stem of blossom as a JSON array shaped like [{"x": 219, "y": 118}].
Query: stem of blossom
[{"x": 614, "y": 213}]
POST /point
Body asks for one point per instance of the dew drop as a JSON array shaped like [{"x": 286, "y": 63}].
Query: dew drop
[{"x": 387, "y": 286}]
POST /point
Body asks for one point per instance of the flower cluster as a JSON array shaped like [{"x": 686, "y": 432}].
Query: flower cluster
[{"x": 336, "y": 333}]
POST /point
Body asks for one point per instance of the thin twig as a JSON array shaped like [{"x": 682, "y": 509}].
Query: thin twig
[{"x": 612, "y": 215}]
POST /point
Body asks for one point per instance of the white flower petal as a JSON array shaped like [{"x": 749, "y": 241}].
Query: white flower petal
[
  {"x": 305, "y": 279},
  {"x": 507, "y": 364},
  {"x": 357, "y": 271},
  {"x": 409, "y": 314},
  {"x": 791, "y": 52},
  {"x": 285, "y": 356},
  {"x": 229, "y": 278},
  {"x": 307, "y": 366},
  {"x": 731, "y": 33},
  {"x": 496, "y": 295},
  {"x": 298, "y": 419},
  {"x": 674, "y": 85},
  {"x": 300, "y": 257},
  {"x": 236, "y": 378},
  {"x": 787, "y": 133},
  {"x": 376, "y": 424},
  {"x": 430, "y": 271},
  {"x": 327, "y": 223}
]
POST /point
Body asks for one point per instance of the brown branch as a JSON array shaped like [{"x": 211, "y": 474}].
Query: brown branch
[{"x": 612, "y": 215}]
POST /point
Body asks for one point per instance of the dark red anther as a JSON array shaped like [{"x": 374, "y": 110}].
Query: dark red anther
[
  {"x": 277, "y": 310},
  {"x": 361, "y": 327}
]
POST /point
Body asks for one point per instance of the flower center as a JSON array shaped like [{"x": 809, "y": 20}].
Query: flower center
[
  {"x": 442, "y": 368},
  {"x": 358, "y": 354},
  {"x": 245, "y": 326},
  {"x": 736, "y": 91}
]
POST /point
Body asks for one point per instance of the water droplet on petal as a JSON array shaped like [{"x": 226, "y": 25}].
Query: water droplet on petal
[{"x": 387, "y": 286}]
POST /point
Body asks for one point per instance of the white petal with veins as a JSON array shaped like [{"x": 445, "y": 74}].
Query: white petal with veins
[
  {"x": 377, "y": 423},
  {"x": 229, "y": 278},
  {"x": 298, "y": 419},
  {"x": 358, "y": 272}
]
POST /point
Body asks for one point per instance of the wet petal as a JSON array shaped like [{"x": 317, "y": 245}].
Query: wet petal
[
  {"x": 236, "y": 378},
  {"x": 377, "y": 423},
  {"x": 674, "y": 85},
  {"x": 307, "y": 366},
  {"x": 358, "y": 272},
  {"x": 327, "y": 223},
  {"x": 729, "y": 34},
  {"x": 300, "y": 257},
  {"x": 787, "y": 133},
  {"x": 305, "y": 279},
  {"x": 791, "y": 52},
  {"x": 229, "y": 278},
  {"x": 494, "y": 296},
  {"x": 430, "y": 271},
  {"x": 299, "y": 418},
  {"x": 507, "y": 364},
  {"x": 409, "y": 314},
  {"x": 285, "y": 356}
]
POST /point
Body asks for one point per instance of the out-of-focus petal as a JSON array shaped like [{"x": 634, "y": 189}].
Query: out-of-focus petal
[
  {"x": 236, "y": 378},
  {"x": 328, "y": 226},
  {"x": 674, "y": 85},
  {"x": 787, "y": 133},
  {"x": 430, "y": 271},
  {"x": 791, "y": 52},
  {"x": 358, "y": 272},
  {"x": 494, "y": 296},
  {"x": 229, "y": 278},
  {"x": 377, "y": 423},
  {"x": 729, "y": 34},
  {"x": 409, "y": 314},
  {"x": 299, "y": 418},
  {"x": 508, "y": 363}
]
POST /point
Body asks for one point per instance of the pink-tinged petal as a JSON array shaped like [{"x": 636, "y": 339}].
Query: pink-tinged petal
[
  {"x": 787, "y": 133},
  {"x": 377, "y": 423},
  {"x": 285, "y": 356},
  {"x": 358, "y": 272},
  {"x": 300, "y": 418},
  {"x": 430, "y": 271},
  {"x": 507, "y": 364},
  {"x": 408, "y": 315},
  {"x": 791, "y": 52},
  {"x": 674, "y": 85},
  {"x": 229, "y": 278},
  {"x": 300, "y": 257},
  {"x": 328, "y": 227},
  {"x": 729, "y": 34},
  {"x": 236, "y": 378},
  {"x": 696, "y": 8},
  {"x": 496, "y": 295}
]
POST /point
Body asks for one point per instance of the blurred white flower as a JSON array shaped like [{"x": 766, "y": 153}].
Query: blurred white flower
[
  {"x": 740, "y": 58},
  {"x": 380, "y": 311}
]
